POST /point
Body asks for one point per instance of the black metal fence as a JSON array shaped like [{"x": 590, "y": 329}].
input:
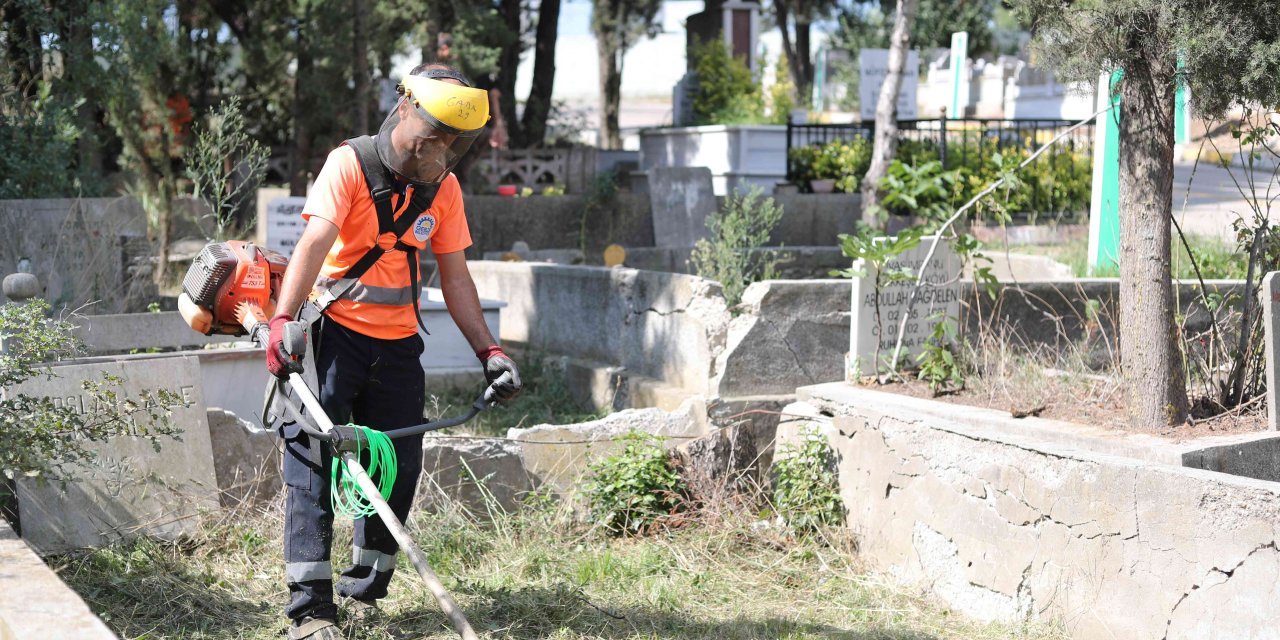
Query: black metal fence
[{"x": 1056, "y": 186}]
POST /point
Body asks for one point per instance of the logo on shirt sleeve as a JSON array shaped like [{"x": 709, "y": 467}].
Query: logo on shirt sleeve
[{"x": 423, "y": 226}]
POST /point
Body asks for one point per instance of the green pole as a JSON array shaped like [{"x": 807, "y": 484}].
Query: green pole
[
  {"x": 1182, "y": 106},
  {"x": 959, "y": 52},
  {"x": 1104, "y": 207}
]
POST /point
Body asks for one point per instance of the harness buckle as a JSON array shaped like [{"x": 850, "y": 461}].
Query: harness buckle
[{"x": 387, "y": 241}]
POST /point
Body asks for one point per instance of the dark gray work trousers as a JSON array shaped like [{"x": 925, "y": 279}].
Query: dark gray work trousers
[{"x": 371, "y": 382}]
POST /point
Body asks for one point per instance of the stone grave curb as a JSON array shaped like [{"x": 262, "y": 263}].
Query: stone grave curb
[
  {"x": 1014, "y": 520},
  {"x": 35, "y": 603}
]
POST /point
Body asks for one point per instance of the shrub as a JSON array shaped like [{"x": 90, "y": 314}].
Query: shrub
[
  {"x": 38, "y": 436},
  {"x": 39, "y": 142},
  {"x": 806, "y": 492},
  {"x": 940, "y": 363},
  {"x": 727, "y": 93},
  {"x": 728, "y": 255},
  {"x": 226, "y": 166},
  {"x": 633, "y": 489},
  {"x": 925, "y": 190},
  {"x": 844, "y": 161}
]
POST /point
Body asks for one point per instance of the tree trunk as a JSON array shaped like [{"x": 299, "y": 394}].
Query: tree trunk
[
  {"x": 508, "y": 63},
  {"x": 80, "y": 71},
  {"x": 886, "y": 137},
  {"x": 533, "y": 124},
  {"x": 300, "y": 150},
  {"x": 610, "y": 91},
  {"x": 803, "y": 59},
  {"x": 360, "y": 65},
  {"x": 1152, "y": 364}
]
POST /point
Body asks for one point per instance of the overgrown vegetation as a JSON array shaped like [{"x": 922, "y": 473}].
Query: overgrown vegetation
[
  {"x": 530, "y": 575},
  {"x": 806, "y": 491},
  {"x": 730, "y": 255},
  {"x": 226, "y": 166},
  {"x": 44, "y": 436},
  {"x": 632, "y": 490}
]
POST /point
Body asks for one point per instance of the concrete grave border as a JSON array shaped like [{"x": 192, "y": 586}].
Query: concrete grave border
[
  {"x": 1013, "y": 520},
  {"x": 35, "y": 603}
]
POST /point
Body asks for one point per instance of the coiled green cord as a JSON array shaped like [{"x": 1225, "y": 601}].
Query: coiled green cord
[{"x": 345, "y": 495}]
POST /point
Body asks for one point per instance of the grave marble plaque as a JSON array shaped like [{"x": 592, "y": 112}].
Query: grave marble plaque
[
  {"x": 680, "y": 199},
  {"x": 130, "y": 488},
  {"x": 284, "y": 224},
  {"x": 939, "y": 297}
]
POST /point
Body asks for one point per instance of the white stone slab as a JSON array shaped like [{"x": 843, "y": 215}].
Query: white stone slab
[
  {"x": 939, "y": 295},
  {"x": 1271, "y": 334},
  {"x": 680, "y": 198},
  {"x": 873, "y": 65},
  {"x": 284, "y": 224},
  {"x": 131, "y": 488}
]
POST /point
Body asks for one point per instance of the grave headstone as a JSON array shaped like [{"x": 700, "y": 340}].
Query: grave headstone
[
  {"x": 283, "y": 224},
  {"x": 939, "y": 298},
  {"x": 1271, "y": 339},
  {"x": 130, "y": 489},
  {"x": 873, "y": 66},
  {"x": 680, "y": 199}
]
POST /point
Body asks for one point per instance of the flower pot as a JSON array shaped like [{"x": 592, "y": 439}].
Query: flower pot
[{"x": 822, "y": 186}]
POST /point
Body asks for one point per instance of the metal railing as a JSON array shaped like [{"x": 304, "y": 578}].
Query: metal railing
[{"x": 968, "y": 142}]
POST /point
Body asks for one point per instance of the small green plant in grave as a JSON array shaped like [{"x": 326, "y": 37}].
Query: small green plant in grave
[
  {"x": 876, "y": 253},
  {"x": 940, "y": 363},
  {"x": 225, "y": 166},
  {"x": 729, "y": 254},
  {"x": 806, "y": 491},
  {"x": 631, "y": 490}
]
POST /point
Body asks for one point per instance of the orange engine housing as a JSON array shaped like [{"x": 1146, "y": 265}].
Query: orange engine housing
[{"x": 230, "y": 286}]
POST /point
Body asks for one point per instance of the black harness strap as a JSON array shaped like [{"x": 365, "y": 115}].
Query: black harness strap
[{"x": 378, "y": 180}]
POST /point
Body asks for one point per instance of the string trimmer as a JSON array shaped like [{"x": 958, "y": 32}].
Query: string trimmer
[{"x": 230, "y": 289}]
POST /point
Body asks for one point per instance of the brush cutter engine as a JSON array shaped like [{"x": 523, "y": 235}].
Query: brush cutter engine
[{"x": 231, "y": 287}]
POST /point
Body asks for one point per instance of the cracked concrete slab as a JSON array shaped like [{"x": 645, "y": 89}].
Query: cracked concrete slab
[{"x": 1012, "y": 520}]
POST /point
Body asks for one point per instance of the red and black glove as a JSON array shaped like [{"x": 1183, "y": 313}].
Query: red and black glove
[
  {"x": 280, "y": 363},
  {"x": 497, "y": 363}
]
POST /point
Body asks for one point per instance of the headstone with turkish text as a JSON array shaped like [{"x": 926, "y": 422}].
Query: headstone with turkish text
[
  {"x": 873, "y": 66},
  {"x": 284, "y": 224},
  {"x": 130, "y": 488},
  {"x": 938, "y": 299}
]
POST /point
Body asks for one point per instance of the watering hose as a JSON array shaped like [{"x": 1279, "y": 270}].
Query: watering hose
[{"x": 348, "y": 497}]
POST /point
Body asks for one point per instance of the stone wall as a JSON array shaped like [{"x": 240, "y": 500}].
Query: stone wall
[
  {"x": 661, "y": 326},
  {"x": 1003, "y": 524},
  {"x": 82, "y": 250}
]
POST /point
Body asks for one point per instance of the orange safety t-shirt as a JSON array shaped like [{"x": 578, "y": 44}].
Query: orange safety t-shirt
[{"x": 382, "y": 303}]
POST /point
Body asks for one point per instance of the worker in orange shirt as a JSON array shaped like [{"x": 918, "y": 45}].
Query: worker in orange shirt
[{"x": 376, "y": 203}]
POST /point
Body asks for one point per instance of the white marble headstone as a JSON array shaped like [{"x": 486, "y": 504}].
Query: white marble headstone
[
  {"x": 939, "y": 295},
  {"x": 284, "y": 224},
  {"x": 131, "y": 488}
]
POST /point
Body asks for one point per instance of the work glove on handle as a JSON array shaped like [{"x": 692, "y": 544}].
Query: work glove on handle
[
  {"x": 497, "y": 363},
  {"x": 279, "y": 362}
]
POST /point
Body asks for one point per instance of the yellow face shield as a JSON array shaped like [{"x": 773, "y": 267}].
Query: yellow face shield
[
  {"x": 452, "y": 107},
  {"x": 432, "y": 126}
]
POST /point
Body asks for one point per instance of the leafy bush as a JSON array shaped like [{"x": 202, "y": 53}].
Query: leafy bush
[
  {"x": 844, "y": 161},
  {"x": 39, "y": 142},
  {"x": 781, "y": 93},
  {"x": 728, "y": 256},
  {"x": 806, "y": 492},
  {"x": 926, "y": 190},
  {"x": 38, "y": 436},
  {"x": 633, "y": 489},
  {"x": 727, "y": 93}
]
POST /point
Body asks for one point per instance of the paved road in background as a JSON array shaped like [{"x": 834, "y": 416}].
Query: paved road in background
[{"x": 1215, "y": 202}]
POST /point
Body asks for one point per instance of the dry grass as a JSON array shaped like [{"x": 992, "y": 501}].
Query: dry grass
[{"x": 530, "y": 575}]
